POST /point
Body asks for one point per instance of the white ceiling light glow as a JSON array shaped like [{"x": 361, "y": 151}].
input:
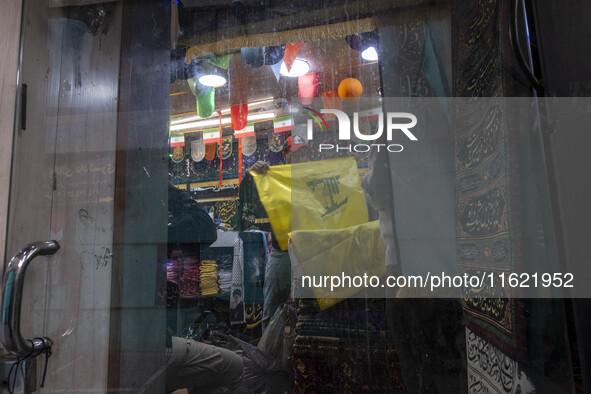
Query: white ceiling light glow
[
  {"x": 225, "y": 121},
  {"x": 298, "y": 68},
  {"x": 213, "y": 80},
  {"x": 252, "y": 105},
  {"x": 370, "y": 54}
]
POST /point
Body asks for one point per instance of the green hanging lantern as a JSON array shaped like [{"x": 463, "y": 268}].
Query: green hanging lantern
[{"x": 205, "y": 101}]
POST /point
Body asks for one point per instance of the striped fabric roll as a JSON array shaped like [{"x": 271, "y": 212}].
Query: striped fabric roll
[{"x": 190, "y": 278}]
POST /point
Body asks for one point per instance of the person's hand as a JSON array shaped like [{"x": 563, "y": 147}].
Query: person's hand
[{"x": 260, "y": 167}]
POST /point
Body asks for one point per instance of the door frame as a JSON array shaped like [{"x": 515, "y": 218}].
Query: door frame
[
  {"x": 127, "y": 246},
  {"x": 10, "y": 28}
]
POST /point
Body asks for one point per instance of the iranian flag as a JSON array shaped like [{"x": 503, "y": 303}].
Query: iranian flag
[
  {"x": 283, "y": 124},
  {"x": 177, "y": 140},
  {"x": 248, "y": 131},
  {"x": 211, "y": 135}
]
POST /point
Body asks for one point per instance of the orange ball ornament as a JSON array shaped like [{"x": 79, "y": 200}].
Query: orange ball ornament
[{"x": 350, "y": 90}]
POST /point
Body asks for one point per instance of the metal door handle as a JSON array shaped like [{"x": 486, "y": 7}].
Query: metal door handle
[{"x": 12, "y": 294}]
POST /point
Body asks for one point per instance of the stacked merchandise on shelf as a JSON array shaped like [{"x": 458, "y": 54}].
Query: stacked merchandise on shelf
[
  {"x": 190, "y": 278},
  {"x": 209, "y": 277},
  {"x": 224, "y": 266},
  {"x": 242, "y": 291},
  {"x": 345, "y": 348}
]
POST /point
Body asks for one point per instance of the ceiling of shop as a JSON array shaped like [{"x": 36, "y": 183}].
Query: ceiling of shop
[{"x": 333, "y": 58}]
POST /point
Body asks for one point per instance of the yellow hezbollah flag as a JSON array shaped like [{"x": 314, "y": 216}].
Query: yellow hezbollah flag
[
  {"x": 353, "y": 251},
  {"x": 312, "y": 196}
]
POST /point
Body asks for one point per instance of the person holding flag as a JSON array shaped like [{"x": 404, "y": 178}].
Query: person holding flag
[{"x": 277, "y": 282}]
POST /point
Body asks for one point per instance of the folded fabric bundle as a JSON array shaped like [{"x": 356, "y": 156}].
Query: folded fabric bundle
[
  {"x": 224, "y": 264},
  {"x": 345, "y": 348},
  {"x": 324, "y": 364},
  {"x": 209, "y": 277},
  {"x": 225, "y": 280},
  {"x": 190, "y": 278},
  {"x": 345, "y": 334},
  {"x": 351, "y": 320}
]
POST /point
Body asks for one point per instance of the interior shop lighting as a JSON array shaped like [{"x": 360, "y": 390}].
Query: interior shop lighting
[
  {"x": 252, "y": 105},
  {"x": 212, "y": 80},
  {"x": 370, "y": 54},
  {"x": 215, "y": 122},
  {"x": 298, "y": 68}
]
